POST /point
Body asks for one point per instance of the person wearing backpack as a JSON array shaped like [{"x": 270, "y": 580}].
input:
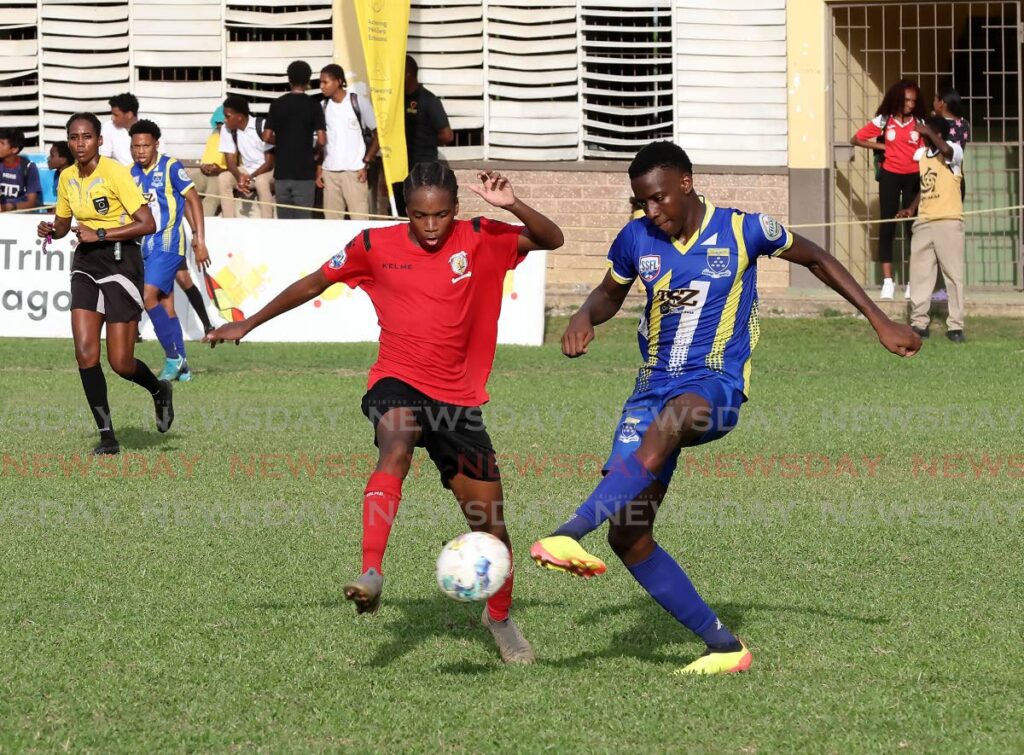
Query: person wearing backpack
[
  {"x": 19, "y": 177},
  {"x": 250, "y": 161},
  {"x": 351, "y": 149}
]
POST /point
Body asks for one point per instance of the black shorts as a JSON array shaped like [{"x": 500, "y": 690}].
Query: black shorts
[
  {"x": 102, "y": 284},
  {"x": 183, "y": 265},
  {"x": 454, "y": 436}
]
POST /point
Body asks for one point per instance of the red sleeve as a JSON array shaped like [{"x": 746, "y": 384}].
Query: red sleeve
[
  {"x": 502, "y": 239},
  {"x": 871, "y": 131},
  {"x": 351, "y": 265}
]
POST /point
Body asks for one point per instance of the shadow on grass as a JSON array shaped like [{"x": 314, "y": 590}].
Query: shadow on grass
[
  {"x": 134, "y": 439},
  {"x": 646, "y": 639},
  {"x": 418, "y": 620}
]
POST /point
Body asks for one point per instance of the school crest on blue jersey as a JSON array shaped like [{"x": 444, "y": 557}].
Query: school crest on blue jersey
[
  {"x": 627, "y": 432},
  {"x": 718, "y": 263},
  {"x": 338, "y": 260},
  {"x": 650, "y": 266}
]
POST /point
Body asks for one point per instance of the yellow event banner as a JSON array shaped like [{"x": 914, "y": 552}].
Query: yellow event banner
[{"x": 384, "y": 28}]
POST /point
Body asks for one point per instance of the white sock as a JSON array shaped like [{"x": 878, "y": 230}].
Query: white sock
[{"x": 887, "y": 280}]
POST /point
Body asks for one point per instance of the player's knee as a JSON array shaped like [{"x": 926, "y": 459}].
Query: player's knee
[
  {"x": 653, "y": 458},
  {"x": 122, "y": 365},
  {"x": 87, "y": 354}
]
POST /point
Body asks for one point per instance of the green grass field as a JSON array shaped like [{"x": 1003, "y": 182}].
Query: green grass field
[{"x": 861, "y": 529}]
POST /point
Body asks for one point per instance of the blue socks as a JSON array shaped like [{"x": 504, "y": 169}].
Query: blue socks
[
  {"x": 625, "y": 481},
  {"x": 168, "y": 332},
  {"x": 668, "y": 584}
]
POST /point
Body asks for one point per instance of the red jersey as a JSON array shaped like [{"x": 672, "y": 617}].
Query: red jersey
[
  {"x": 437, "y": 311},
  {"x": 901, "y": 142}
]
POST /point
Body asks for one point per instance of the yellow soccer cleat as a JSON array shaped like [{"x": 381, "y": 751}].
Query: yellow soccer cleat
[
  {"x": 719, "y": 663},
  {"x": 562, "y": 553}
]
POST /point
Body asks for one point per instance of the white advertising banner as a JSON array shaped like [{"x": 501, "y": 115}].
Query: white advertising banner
[{"x": 253, "y": 261}]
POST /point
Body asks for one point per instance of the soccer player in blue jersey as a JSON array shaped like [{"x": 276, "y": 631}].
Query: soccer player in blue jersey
[
  {"x": 698, "y": 265},
  {"x": 170, "y": 194}
]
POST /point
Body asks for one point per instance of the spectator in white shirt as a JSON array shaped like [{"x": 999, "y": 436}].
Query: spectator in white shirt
[
  {"x": 250, "y": 162},
  {"x": 124, "y": 113},
  {"x": 351, "y": 146}
]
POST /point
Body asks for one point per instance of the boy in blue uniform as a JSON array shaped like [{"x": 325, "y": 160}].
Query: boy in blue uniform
[
  {"x": 168, "y": 190},
  {"x": 698, "y": 265}
]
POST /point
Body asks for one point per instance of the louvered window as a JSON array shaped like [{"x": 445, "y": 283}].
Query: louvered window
[
  {"x": 627, "y": 76},
  {"x": 533, "y": 80},
  {"x": 264, "y": 36},
  {"x": 731, "y": 81},
  {"x": 176, "y": 50},
  {"x": 447, "y": 41},
  {"x": 19, "y": 78},
  {"x": 84, "y": 60}
]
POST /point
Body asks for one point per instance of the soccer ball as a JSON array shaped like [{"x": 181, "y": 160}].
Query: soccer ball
[{"x": 473, "y": 566}]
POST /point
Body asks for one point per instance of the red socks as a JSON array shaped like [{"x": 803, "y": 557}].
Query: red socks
[
  {"x": 499, "y": 603},
  {"x": 380, "y": 505}
]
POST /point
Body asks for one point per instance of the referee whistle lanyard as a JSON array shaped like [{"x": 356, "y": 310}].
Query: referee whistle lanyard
[{"x": 47, "y": 241}]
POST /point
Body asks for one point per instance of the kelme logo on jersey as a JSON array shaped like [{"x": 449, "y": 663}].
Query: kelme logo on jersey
[
  {"x": 650, "y": 266},
  {"x": 718, "y": 263},
  {"x": 338, "y": 260},
  {"x": 772, "y": 228},
  {"x": 460, "y": 266},
  {"x": 102, "y": 205}
]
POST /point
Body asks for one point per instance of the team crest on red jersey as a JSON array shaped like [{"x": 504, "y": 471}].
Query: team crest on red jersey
[{"x": 460, "y": 266}]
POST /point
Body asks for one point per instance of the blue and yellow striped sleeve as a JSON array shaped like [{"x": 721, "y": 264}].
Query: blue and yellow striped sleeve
[
  {"x": 179, "y": 177},
  {"x": 622, "y": 256},
  {"x": 765, "y": 236}
]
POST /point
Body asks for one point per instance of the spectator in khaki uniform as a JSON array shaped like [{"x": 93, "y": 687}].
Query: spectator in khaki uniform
[
  {"x": 250, "y": 161},
  {"x": 348, "y": 156},
  {"x": 938, "y": 240},
  {"x": 211, "y": 165}
]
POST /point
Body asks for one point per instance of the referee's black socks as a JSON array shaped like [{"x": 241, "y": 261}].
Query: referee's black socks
[
  {"x": 196, "y": 300},
  {"x": 144, "y": 376},
  {"x": 95, "y": 386}
]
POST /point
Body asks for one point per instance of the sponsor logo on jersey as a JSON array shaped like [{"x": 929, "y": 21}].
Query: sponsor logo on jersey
[
  {"x": 101, "y": 204},
  {"x": 677, "y": 299},
  {"x": 772, "y": 228}
]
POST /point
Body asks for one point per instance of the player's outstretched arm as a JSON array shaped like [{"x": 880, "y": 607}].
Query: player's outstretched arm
[
  {"x": 541, "y": 232},
  {"x": 601, "y": 306},
  {"x": 897, "y": 338},
  {"x": 298, "y": 293}
]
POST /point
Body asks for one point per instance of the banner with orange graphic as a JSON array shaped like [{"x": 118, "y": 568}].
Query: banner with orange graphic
[
  {"x": 253, "y": 261},
  {"x": 383, "y": 29}
]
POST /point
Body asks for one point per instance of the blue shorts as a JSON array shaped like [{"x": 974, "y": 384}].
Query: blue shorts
[
  {"x": 160, "y": 268},
  {"x": 643, "y": 407}
]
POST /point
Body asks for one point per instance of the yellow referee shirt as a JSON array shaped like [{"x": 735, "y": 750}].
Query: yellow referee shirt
[{"x": 105, "y": 199}]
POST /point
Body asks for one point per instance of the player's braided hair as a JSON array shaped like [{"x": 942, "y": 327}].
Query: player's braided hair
[
  {"x": 145, "y": 127},
  {"x": 85, "y": 117},
  {"x": 659, "y": 155},
  {"x": 430, "y": 174}
]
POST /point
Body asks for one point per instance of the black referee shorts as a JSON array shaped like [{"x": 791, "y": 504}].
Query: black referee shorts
[
  {"x": 454, "y": 436},
  {"x": 102, "y": 284}
]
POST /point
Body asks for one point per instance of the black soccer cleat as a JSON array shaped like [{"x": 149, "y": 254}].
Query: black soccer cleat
[
  {"x": 107, "y": 447},
  {"x": 956, "y": 336},
  {"x": 164, "y": 404}
]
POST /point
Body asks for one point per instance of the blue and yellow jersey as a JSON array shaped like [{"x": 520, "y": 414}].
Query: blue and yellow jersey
[
  {"x": 164, "y": 186},
  {"x": 701, "y": 311}
]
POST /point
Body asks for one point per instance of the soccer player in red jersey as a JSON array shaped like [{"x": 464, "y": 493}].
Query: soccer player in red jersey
[{"x": 436, "y": 284}]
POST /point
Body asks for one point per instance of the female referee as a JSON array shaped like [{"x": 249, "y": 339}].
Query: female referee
[{"x": 106, "y": 272}]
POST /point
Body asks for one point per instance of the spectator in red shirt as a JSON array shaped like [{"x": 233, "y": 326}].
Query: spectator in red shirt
[
  {"x": 436, "y": 284},
  {"x": 898, "y": 180}
]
